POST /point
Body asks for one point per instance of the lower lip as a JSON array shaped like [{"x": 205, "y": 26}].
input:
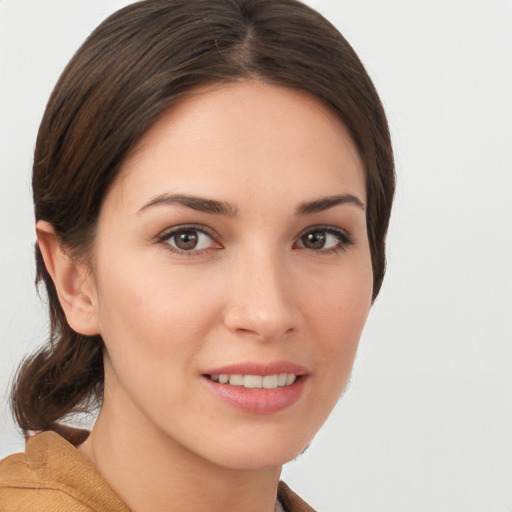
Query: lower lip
[{"x": 259, "y": 401}]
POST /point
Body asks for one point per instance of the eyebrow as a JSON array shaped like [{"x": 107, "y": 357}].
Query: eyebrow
[
  {"x": 319, "y": 205},
  {"x": 215, "y": 207},
  {"x": 196, "y": 203}
]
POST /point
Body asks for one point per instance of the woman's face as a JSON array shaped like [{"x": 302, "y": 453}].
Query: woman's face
[{"x": 233, "y": 247}]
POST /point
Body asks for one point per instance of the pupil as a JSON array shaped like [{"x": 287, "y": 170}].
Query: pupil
[
  {"x": 186, "y": 240},
  {"x": 315, "y": 240}
]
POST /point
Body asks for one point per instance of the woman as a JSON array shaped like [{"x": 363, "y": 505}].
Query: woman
[{"x": 212, "y": 187}]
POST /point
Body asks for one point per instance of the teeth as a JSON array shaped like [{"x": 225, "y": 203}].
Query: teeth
[
  {"x": 270, "y": 381},
  {"x": 236, "y": 380},
  {"x": 290, "y": 378},
  {"x": 253, "y": 381},
  {"x": 256, "y": 381}
]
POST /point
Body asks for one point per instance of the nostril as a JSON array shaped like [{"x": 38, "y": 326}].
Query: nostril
[
  {"x": 264, "y": 334},
  {"x": 261, "y": 321},
  {"x": 248, "y": 333}
]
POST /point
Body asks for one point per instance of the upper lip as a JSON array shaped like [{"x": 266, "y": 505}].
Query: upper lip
[{"x": 254, "y": 368}]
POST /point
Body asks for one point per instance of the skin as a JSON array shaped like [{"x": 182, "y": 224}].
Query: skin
[{"x": 253, "y": 291}]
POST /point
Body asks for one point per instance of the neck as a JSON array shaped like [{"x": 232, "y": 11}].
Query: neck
[{"x": 150, "y": 471}]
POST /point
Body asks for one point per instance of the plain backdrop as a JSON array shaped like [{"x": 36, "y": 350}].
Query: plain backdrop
[{"x": 426, "y": 424}]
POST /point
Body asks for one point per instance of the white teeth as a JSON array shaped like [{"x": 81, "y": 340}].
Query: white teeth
[
  {"x": 290, "y": 378},
  {"x": 270, "y": 381},
  {"x": 253, "y": 381},
  {"x": 256, "y": 381},
  {"x": 236, "y": 380}
]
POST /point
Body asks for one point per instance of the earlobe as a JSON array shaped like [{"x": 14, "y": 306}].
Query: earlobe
[{"x": 74, "y": 286}]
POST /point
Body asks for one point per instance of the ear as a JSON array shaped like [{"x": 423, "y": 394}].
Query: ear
[{"x": 74, "y": 284}]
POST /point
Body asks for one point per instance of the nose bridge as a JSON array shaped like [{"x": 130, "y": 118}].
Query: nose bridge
[{"x": 261, "y": 299}]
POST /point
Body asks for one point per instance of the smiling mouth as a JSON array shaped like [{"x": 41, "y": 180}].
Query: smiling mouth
[
  {"x": 255, "y": 389},
  {"x": 255, "y": 381}
]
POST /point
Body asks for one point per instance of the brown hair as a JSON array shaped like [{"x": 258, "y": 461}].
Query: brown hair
[{"x": 136, "y": 64}]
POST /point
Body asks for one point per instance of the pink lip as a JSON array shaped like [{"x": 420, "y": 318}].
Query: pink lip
[{"x": 259, "y": 401}]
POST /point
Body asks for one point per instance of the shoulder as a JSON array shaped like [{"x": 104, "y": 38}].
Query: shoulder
[
  {"x": 290, "y": 501},
  {"x": 52, "y": 475}
]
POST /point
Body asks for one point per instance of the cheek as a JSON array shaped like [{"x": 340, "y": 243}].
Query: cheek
[
  {"x": 159, "y": 315},
  {"x": 153, "y": 326},
  {"x": 339, "y": 310}
]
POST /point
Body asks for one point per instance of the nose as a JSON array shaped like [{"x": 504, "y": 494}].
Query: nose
[{"x": 262, "y": 304}]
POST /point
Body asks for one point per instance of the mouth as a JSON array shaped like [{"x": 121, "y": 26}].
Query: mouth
[
  {"x": 277, "y": 380},
  {"x": 258, "y": 388}
]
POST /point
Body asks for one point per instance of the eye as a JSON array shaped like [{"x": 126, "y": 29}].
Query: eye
[
  {"x": 324, "y": 239},
  {"x": 187, "y": 239}
]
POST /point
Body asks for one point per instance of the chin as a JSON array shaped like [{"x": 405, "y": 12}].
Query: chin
[
  {"x": 258, "y": 458},
  {"x": 265, "y": 449}
]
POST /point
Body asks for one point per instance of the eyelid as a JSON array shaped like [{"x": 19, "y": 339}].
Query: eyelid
[
  {"x": 168, "y": 233},
  {"x": 345, "y": 238}
]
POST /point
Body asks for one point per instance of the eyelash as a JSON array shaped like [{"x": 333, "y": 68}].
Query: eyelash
[
  {"x": 167, "y": 235},
  {"x": 344, "y": 239}
]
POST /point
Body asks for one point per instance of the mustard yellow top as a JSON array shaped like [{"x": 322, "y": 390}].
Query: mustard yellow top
[{"x": 53, "y": 476}]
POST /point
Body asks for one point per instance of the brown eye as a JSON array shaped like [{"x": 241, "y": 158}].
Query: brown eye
[
  {"x": 188, "y": 240},
  {"x": 314, "y": 240},
  {"x": 324, "y": 239}
]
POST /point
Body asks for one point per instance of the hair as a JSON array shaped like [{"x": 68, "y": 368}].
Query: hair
[{"x": 133, "y": 67}]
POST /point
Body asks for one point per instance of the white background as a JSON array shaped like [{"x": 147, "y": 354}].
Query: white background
[{"x": 426, "y": 424}]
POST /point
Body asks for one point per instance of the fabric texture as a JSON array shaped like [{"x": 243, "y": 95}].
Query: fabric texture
[{"x": 53, "y": 476}]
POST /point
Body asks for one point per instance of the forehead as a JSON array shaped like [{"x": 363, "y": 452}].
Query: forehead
[{"x": 245, "y": 140}]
